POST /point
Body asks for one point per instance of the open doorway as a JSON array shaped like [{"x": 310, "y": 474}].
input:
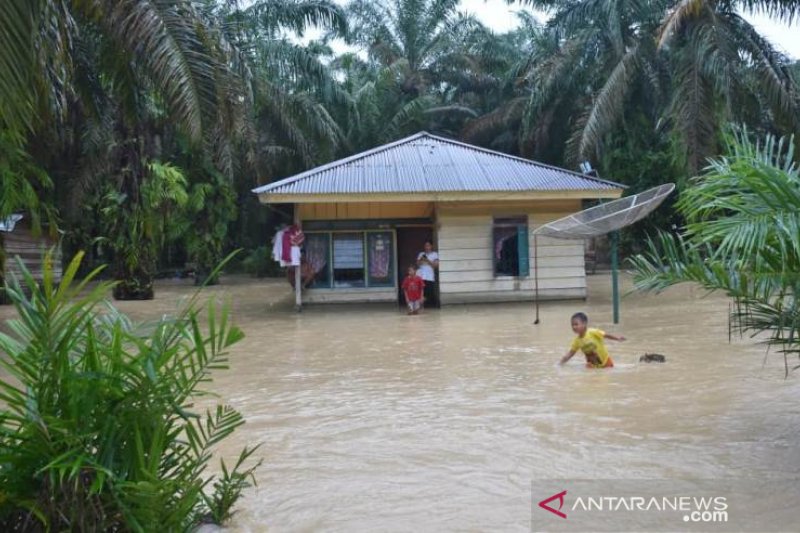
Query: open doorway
[{"x": 410, "y": 242}]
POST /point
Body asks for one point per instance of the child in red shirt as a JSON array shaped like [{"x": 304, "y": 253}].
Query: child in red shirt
[{"x": 413, "y": 287}]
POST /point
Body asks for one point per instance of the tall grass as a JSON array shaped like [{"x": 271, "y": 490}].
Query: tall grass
[{"x": 98, "y": 430}]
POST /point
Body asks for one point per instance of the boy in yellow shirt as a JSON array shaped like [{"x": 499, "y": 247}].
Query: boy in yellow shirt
[{"x": 590, "y": 342}]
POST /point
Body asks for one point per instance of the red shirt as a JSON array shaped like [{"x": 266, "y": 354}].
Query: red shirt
[
  {"x": 413, "y": 287},
  {"x": 286, "y": 245}
]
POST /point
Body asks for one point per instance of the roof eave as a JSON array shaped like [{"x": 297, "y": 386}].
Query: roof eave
[{"x": 575, "y": 194}]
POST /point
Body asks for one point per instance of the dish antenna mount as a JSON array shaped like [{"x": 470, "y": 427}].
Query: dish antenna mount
[{"x": 600, "y": 220}]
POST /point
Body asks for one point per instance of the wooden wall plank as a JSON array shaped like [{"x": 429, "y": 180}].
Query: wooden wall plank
[
  {"x": 518, "y": 296},
  {"x": 487, "y": 276},
  {"x": 546, "y": 263},
  {"x": 365, "y": 210},
  {"x": 349, "y": 296},
  {"x": 466, "y": 255},
  {"x": 31, "y": 251},
  {"x": 501, "y": 284}
]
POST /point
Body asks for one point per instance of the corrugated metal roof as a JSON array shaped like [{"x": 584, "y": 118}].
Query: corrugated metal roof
[{"x": 426, "y": 163}]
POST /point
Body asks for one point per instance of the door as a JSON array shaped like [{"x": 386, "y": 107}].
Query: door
[{"x": 410, "y": 242}]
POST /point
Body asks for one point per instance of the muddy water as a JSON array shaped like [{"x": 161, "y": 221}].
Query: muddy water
[{"x": 371, "y": 420}]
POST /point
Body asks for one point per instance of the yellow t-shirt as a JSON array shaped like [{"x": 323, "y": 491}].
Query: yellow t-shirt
[{"x": 592, "y": 343}]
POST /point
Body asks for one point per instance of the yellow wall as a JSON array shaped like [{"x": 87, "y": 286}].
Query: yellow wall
[
  {"x": 466, "y": 265},
  {"x": 465, "y": 244},
  {"x": 365, "y": 210}
]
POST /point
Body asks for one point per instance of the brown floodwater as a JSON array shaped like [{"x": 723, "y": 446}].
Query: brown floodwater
[{"x": 373, "y": 420}]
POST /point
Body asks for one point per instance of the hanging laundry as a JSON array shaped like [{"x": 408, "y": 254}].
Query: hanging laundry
[
  {"x": 296, "y": 239},
  {"x": 286, "y": 247},
  {"x": 281, "y": 246},
  {"x": 277, "y": 245}
]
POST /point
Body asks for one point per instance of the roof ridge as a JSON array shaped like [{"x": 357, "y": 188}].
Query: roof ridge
[{"x": 419, "y": 135}]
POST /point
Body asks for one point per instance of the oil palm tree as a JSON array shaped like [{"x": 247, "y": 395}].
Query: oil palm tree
[
  {"x": 123, "y": 70},
  {"x": 38, "y": 45},
  {"x": 592, "y": 55},
  {"x": 418, "y": 53},
  {"x": 501, "y": 123},
  {"x": 724, "y": 70},
  {"x": 291, "y": 85},
  {"x": 691, "y": 65}
]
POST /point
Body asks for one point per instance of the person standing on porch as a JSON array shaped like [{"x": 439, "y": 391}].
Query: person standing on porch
[{"x": 428, "y": 262}]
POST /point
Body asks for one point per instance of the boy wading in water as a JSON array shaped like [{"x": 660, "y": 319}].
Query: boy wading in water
[
  {"x": 413, "y": 287},
  {"x": 590, "y": 342}
]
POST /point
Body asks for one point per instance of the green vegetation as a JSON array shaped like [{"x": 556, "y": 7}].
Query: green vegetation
[
  {"x": 99, "y": 431},
  {"x": 742, "y": 237},
  {"x": 139, "y": 128},
  {"x": 104, "y": 103}
]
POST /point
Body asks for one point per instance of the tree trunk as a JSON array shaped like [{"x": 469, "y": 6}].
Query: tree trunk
[
  {"x": 134, "y": 280},
  {"x": 3, "y": 298},
  {"x": 134, "y": 286}
]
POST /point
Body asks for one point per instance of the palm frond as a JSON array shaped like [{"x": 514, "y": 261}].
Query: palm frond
[
  {"x": 772, "y": 70},
  {"x": 166, "y": 42},
  {"x": 674, "y": 21},
  {"x": 19, "y": 23},
  {"x": 298, "y": 15},
  {"x": 693, "y": 107},
  {"x": 607, "y": 107}
]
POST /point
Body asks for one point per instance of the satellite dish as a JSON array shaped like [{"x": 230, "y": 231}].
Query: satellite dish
[
  {"x": 608, "y": 217},
  {"x": 599, "y": 220}
]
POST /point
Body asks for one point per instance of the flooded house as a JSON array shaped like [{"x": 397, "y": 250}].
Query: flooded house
[
  {"x": 19, "y": 240},
  {"x": 366, "y": 218}
]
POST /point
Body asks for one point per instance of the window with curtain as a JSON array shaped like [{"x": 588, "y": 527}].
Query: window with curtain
[
  {"x": 380, "y": 251},
  {"x": 317, "y": 250},
  {"x": 348, "y": 260},
  {"x": 351, "y": 259},
  {"x": 510, "y": 246}
]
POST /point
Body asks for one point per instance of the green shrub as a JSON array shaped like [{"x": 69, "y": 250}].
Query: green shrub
[
  {"x": 259, "y": 264},
  {"x": 98, "y": 432},
  {"x": 742, "y": 238}
]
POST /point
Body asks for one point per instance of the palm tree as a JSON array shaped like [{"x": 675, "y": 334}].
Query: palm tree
[
  {"x": 692, "y": 66},
  {"x": 742, "y": 238},
  {"x": 291, "y": 86},
  {"x": 39, "y": 42},
  {"x": 724, "y": 70},
  {"x": 116, "y": 73},
  {"x": 293, "y": 100},
  {"x": 501, "y": 124},
  {"x": 585, "y": 62},
  {"x": 123, "y": 84},
  {"x": 422, "y": 57},
  {"x": 98, "y": 431}
]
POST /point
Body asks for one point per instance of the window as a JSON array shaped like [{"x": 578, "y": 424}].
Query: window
[
  {"x": 317, "y": 249},
  {"x": 348, "y": 259},
  {"x": 510, "y": 246},
  {"x": 351, "y": 259},
  {"x": 380, "y": 251}
]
